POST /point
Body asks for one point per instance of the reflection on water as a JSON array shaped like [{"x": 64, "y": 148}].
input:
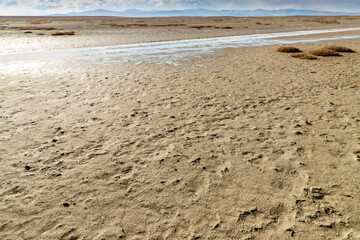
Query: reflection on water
[{"x": 156, "y": 52}]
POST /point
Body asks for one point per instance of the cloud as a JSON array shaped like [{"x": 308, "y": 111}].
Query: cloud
[{"x": 50, "y": 6}]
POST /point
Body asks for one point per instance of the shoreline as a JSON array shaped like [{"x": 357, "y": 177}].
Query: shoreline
[
  {"x": 107, "y": 32},
  {"x": 163, "y": 51}
]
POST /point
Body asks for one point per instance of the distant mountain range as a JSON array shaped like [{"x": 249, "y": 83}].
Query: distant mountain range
[{"x": 203, "y": 13}]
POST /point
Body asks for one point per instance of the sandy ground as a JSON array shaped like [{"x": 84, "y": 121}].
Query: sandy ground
[{"x": 245, "y": 143}]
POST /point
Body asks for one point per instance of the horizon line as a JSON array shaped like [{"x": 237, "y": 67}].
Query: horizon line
[{"x": 67, "y": 14}]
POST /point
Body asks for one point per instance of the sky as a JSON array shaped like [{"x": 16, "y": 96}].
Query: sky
[{"x": 43, "y": 7}]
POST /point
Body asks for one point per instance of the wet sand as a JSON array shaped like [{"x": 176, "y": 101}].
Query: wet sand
[
  {"x": 244, "y": 143},
  {"x": 91, "y": 32}
]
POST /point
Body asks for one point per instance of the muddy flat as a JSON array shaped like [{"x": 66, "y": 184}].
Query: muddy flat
[{"x": 234, "y": 143}]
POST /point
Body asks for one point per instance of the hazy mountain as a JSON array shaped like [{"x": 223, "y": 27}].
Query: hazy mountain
[{"x": 204, "y": 12}]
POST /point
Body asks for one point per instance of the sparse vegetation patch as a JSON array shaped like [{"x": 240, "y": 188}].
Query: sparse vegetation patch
[
  {"x": 303, "y": 56},
  {"x": 208, "y": 26},
  {"x": 63, "y": 33},
  {"x": 324, "y": 53},
  {"x": 34, "y": 28},
  {"x": 125, "y": 25},
  {"x": 200, "y": 26},
  {"x": 289, "y": 49},
  {"x": 169, "y": 25},
  {"x": 338, "y": 49}
]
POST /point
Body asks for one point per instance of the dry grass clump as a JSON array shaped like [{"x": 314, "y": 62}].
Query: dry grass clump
[
  {"x": 338, "y": 49},
  {"x": 169, "y": 25},
  {"x": 63, "y": 33},
  {"x": 200, "y": 26},
  {"x": 34, "y": 28},
  {"x": 324, "y": 53},
  {"x": 289, "y": 49},
  {"x": 303, "y": 56},
  {"x": 136, "y": 25},
  {"x": 208, "y": 26},
  {"x": 113, "y": 24},
  {"x": 125, "y": 25}
]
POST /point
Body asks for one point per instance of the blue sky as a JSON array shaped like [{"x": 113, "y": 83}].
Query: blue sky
[{"x": 38, "y": 7}]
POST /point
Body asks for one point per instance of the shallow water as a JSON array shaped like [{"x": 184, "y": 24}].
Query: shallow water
[{"x": 156, "y": 52}]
